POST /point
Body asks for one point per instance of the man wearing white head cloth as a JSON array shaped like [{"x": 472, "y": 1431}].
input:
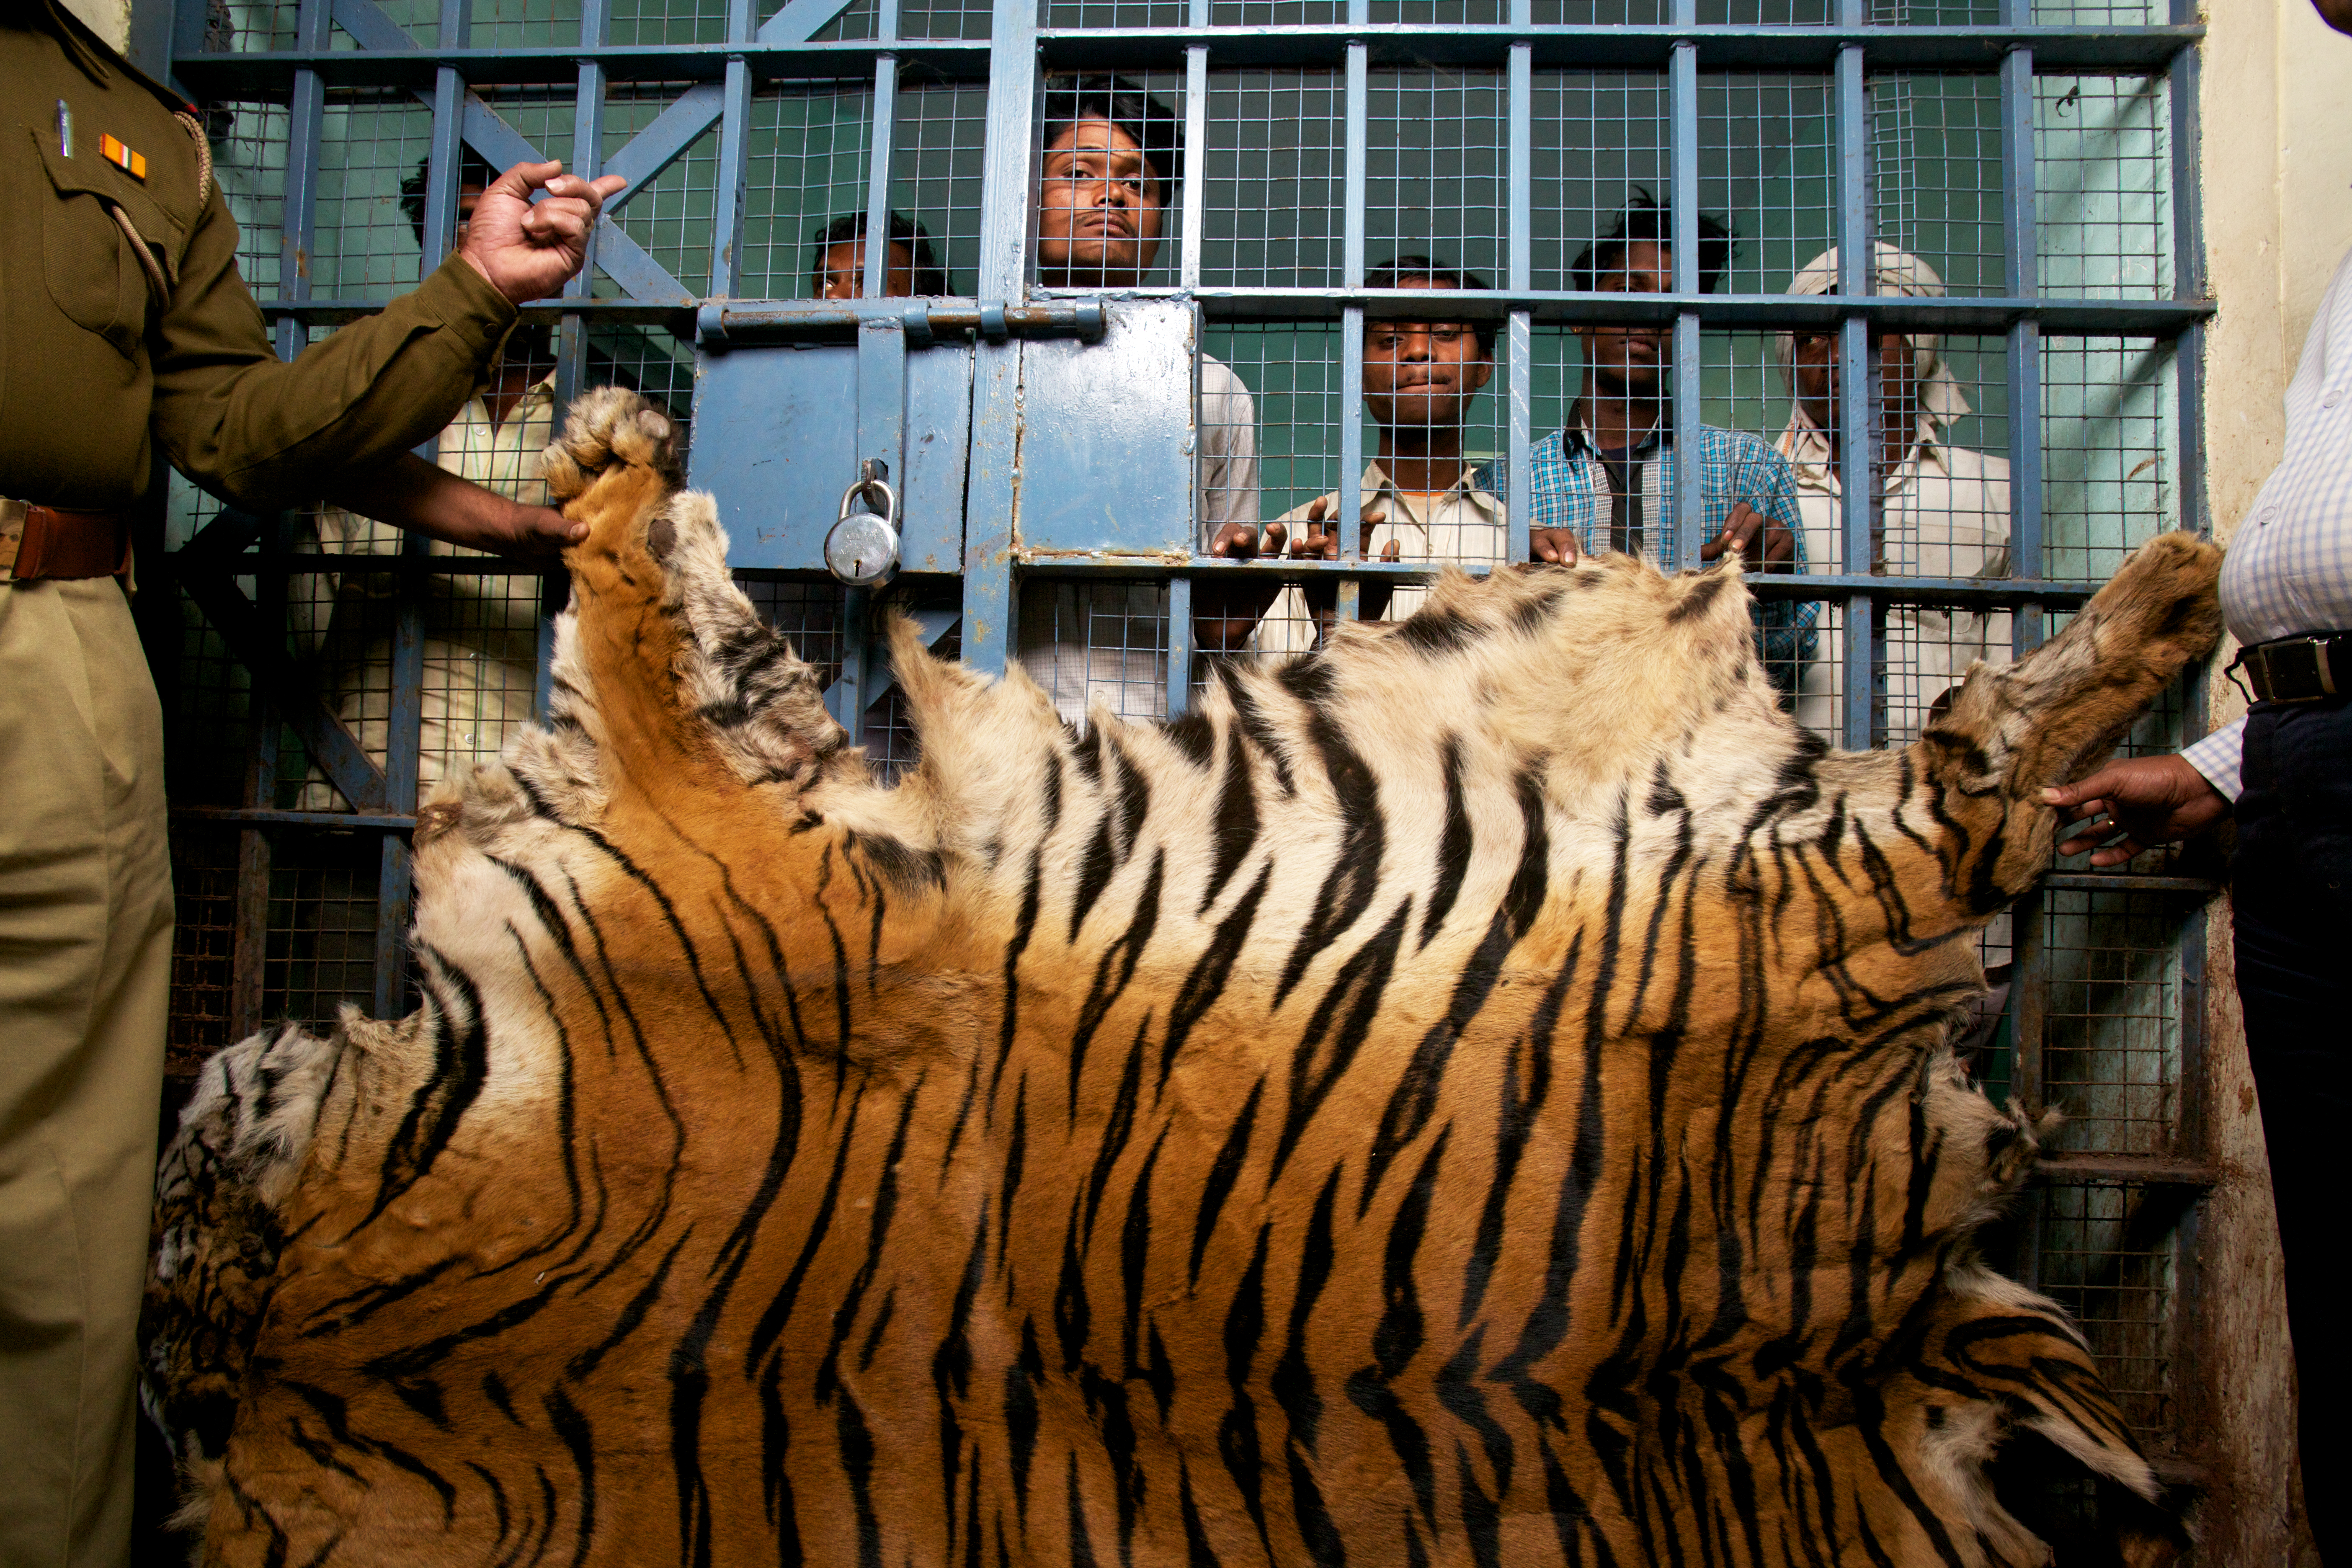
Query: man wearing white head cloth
[{"x": 1944, "y": 510}]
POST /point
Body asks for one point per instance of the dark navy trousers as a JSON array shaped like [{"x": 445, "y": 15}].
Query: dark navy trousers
[{"x": 2292, "y": 894}]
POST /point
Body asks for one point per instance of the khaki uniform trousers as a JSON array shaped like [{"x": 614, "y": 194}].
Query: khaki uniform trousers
[{"x": 85, "y": 969}]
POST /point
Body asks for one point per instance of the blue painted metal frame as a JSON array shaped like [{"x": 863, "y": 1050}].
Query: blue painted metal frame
[{"x": 726, "y": 75}]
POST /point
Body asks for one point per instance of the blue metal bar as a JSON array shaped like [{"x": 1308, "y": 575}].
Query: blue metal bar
[
  {"x": 2189, "y": 282},
  {"x": 1357, "y": 136},
  {"x": 1518, "y": 382},
  {"x": 846, "y": 697},
  {"x": 1195, "y": 208},
  {"x": 877, "y": 282},
  {"x": 1008, "y": 192},
  {"x": 2021, "y": 279},
  {"x": 441, "y": 187},
  {"x": 1179, "y": 645},
  {"x": 305, "y": 134},
  {"x": 1518, "y": 346},
  {"x": 1351, "y": 488},
  {"x": 734, "y": 146},
  {"x": 1351, "y": 232},
  {"x": 571, "y": 348},
  {"x": 1602, "y": 45},
  {"x": 1857, "y": 395},
  {"x": 882, "y": 397},
  {"x": 1519, "y": 221},
  {"x": 1680, "y": 546}
]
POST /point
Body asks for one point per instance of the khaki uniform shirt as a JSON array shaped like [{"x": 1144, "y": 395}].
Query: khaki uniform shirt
[
  {"x": 93, "y": 372},
  {"x": 481, "y": 631},
  {"x": 1466, "y": 527}
]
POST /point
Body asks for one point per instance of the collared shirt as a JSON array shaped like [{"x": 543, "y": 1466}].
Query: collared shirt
[
  {"x": 1571, "y": 489},
  {"x": 1228, "y": 421},
  {"x": 1945, "y": 514},
  {"x": 2289, "y": 568},
  {"x": 1460, "y": 526},
  {"x": 1083, "y": 640},
  {"x": 481, "y": 631}
]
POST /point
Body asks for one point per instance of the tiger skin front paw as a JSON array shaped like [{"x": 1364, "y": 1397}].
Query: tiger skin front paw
[{"x": 610, "y": 425}]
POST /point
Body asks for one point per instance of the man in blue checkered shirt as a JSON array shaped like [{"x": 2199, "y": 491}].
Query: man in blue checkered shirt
[{"x": 1607, "y": 481}]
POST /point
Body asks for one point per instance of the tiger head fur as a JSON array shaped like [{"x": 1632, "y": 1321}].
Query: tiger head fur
[{"x": 1478, "y": 1093}]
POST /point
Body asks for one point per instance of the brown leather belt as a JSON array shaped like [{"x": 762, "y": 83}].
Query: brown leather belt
[
  {"x": 2298, "y": 669},
  {"x": 38, "y": 543}
]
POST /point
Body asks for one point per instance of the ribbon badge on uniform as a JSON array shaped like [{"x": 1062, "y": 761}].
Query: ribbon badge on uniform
[{"x": 121, "y": 157}]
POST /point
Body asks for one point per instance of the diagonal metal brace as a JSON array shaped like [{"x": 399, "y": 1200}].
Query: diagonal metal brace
[{"x": 329, "y": 740}]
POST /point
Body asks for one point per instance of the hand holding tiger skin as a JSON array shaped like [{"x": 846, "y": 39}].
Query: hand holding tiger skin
[
  {"x": 1742, "y": 532},
  {"x": 1321, "y": 540},
  {"x": 1556, "y": 545},
  {"x": 1241, "y": 542},
  {"x": 2135, "y": 803}
]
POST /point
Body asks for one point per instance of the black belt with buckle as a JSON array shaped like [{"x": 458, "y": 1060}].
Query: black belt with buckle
[{"x": 2298, "y": 669}]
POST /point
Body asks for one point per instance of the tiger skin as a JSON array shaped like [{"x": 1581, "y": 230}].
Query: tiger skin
[{"x": 1480, "y": 1094}]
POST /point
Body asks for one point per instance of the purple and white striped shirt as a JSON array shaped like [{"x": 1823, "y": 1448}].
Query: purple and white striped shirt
[{"x": 2289, "y": 570}]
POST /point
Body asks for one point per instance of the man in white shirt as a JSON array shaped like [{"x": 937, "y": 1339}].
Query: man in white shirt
[
  {"x": 1418, "y": 500},
  {"x": 1113, "y": 159},
  {"x": 1944, "y": 508},
  {"x": 2287, "y": 770}
]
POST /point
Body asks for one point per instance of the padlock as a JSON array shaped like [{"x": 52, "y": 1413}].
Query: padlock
[{"x": 862, "y": 550}]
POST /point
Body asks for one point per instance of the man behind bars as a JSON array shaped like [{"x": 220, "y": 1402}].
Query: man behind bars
[
  {"x": 1112, "y": 161},
  {"x": 1606, "y": 479},
  {"x": 128, "y": 331},
  {"x": 1419, "y": 499},
  {"x": 1944, "y": 508},
  {"x": 909, "y": 266}
]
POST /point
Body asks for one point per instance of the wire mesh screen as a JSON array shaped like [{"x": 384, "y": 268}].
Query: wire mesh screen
[
  {"x": 1274, "y": 162},
  {"x": 1766, "y": 167},
  {"x": 204, "y": 943},
  {"x": 1935, "y": 174},
  {"x": 320, "y": 949},
  {"x": 1434, "y": 161},
  {"x": 248, "y": 142},
  {"x": 671, "y": 215},
  {"x": 2109, "y": 444},
  {"x": 248, "y": 26},
  {"x": 1293, "y": 374},
  {"x": 2102, "y": 185},
  {"x": 1598, "y": 136},
  {"x": 2110, "y": 1256},
  {"x": 1114, "y": 13},
  {"x": 806, "y": 166},
  {"x": 1277, "y": 13},
  {"x": 935, "y": 160},
  {"x": 2111, "y": 1056},
  {"x": 640, "y": 22},
  {"x": 945, "y": 18},
  {"x": 1089, "y": 642},
  {"x": 365, "y": 244}
]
